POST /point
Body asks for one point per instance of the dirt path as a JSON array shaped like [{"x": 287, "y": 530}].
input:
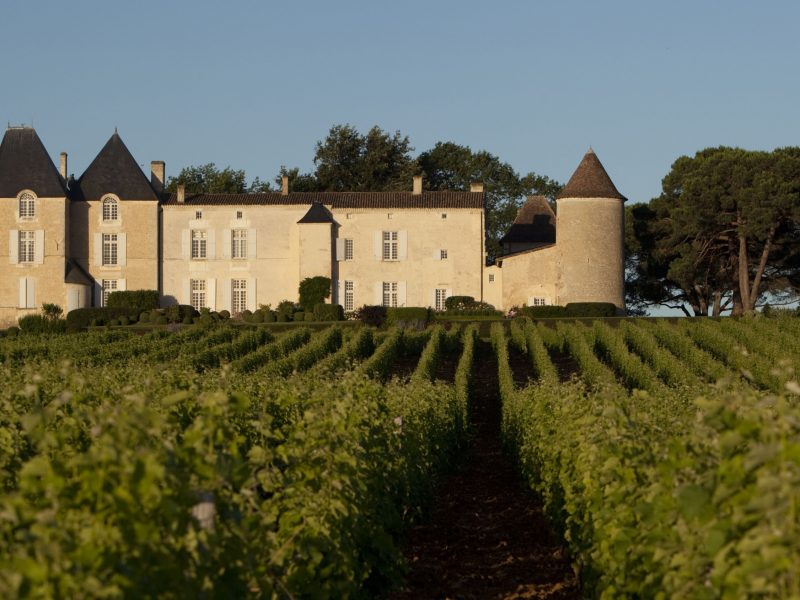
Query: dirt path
[{"x": 486, "y": 536}]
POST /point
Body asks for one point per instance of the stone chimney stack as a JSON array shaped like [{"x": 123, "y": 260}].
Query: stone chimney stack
[
  {"x": 157, "y": 170},
  {"x": 181, "y": 193},
  {"x": 476, "y": 186},
  {"x": 62, "y": 167},
  {"x": 417, "y": 187},
  {"x": 284, "y": 185}
]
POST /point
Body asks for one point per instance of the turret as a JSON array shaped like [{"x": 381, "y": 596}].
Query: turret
[{"x": 590, "y": 237}]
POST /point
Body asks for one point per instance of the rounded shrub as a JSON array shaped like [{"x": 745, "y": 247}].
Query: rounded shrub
[
  {"x": 189, "y": 320},
  {"x": 124, "y": 321},
  {"x": 224, "y": 314}
]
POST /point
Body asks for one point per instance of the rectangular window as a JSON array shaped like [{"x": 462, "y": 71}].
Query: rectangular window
[
  {"x": 199, "y": 243},
  {"x": 26, "y": 246},
  {"x": 238, "y": 295},
  {"x": 110, "y": 248},
  {"x": 390, "y": 245},
  {"x": 198, "y": 214},
  {"x": 491, "y": 278},
  {"x": 109, "y": 285},
  {"x": 444, "y": 215},
  {"x": 442, "y": 254},
  {"x": 390, "y": 293},
  {"x": 440, "y": 297},
  {"x": 348, "y": 249},
  {"x": 198, "y": 287},
  {"x": 239, "y": 243},
  {"x": 348, "y": 296},
  {"x": 239, "y": 214},
  {"x": 539, "y": 302}
]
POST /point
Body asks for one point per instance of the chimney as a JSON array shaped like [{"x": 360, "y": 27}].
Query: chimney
[
  {"x": 157, "y": 169},
  {"x": 62, "y": 167},
  {"x": 285, "y": 185},
  {"x": 417, "y": 189},
  {"x": 181, "y": 193},
  {"x": 476, "y": 186}
]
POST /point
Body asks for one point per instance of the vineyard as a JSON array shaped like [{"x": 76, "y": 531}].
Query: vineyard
[{"x": 232, "y": 461}]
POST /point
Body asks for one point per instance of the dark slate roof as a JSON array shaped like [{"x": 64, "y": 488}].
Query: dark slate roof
[
  {"x": 113, "y": 171},
  {"x": 76, "y": 274},
  {"x": 337, "y": 200},
  {"x": 317, "y": 214},
  {"x": 590, "y": 180},
  {"x": 25, "y": 164},
  {"x": 535, "y": 223}
]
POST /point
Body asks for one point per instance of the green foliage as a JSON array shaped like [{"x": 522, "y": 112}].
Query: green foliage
[
  {"x": 176, "y": 313},
  {"x": 41, "y": 324},
  {"x": 141, "y": 299},
  {"x": 299, "y": 316},
  {"x": 52, "y": 311},
  {"x": 408, "y": 316},
  {"x": 83, "y": 317},
  {"x": 431, "y": 355},
  {"x": 542, "y": 312},
  {"x": 313, "y": 291},
  {"x": 590, "y": 309},
  {"x": 328, "y": 312},
  {"x": 610, "y": 346},
  {"x": 374, "y": 316},
  {"x": 459, "y": 302}
]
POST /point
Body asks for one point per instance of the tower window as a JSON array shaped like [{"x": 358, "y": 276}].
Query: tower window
[
  {"x": 110, "y": 209},
  {"x": 27, "y": 206}
]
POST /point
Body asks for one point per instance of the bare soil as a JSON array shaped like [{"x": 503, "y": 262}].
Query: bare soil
[
  {"x": 486, "y": 536},
  {"x": 566, "y": 366},
  {"x": 521, "y": 366}
]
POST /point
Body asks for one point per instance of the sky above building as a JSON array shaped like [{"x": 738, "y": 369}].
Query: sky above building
[{"x": 255, "y": 84}]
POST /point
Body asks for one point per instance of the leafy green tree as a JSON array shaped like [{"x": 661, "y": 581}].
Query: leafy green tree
[
  {"x": 313, "y": 291},
  {"x": 208, "y": 179},
  {"x": 724, "y": 233}
]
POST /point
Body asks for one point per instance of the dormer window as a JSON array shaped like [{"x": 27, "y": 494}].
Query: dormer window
[
  {"x": 110, "y": 209},
  {"x": 27, "y": 206}
]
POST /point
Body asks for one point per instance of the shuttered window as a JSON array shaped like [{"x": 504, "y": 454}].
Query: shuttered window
[{"x": 27, "y": 246}]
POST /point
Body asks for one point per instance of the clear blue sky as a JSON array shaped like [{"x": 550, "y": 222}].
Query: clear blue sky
[{"x": 255, "y": 84}]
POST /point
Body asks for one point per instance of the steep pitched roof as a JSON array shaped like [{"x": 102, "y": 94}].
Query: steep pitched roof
[
  {"x": 317, "y": 214},
  {"x": 590, "y": 180},
  {"x": 25, "y": 164},
  {"x": 535, "y": 223},
  {"x": 398, "y": 200},
  {"x": 114, "y": 171}
]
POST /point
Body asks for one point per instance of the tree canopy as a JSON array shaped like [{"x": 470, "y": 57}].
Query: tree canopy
[
  {"x": 209, "y": 179},
  {"x": 723, "y": 235}
]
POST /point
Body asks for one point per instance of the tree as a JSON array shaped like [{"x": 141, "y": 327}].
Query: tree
[
  {"x": 723, "y": 234},
  {"x": 449, "y": 166},
  {"x": 313, "y": 291},
  {"x": 208, "y": 179}
]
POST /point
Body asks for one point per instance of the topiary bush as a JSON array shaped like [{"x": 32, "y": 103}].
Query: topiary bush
[
  {"x": 41, "y": 324},
  {"x": 313, "y": 291},
  {"x": 176, "y": 313},
  {"x": 299, "y": 316},
  {"x": 310, "y": 317},
  {"x": 328, "y": 312},
  {"x": 590, "y": 309},
  {"x": 458, "y": 302},
  {"x": 141, "y": 299},
  {"x": 84, "y": 317},
  {"x": 224, "y": 315},
  {"x": 371, "y": 315},
  {"x": 542, "y": 312},
  {"x": 408, "y": 316}
]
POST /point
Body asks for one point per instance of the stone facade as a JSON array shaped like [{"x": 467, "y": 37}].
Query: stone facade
[{"x": 115, "y": 229}]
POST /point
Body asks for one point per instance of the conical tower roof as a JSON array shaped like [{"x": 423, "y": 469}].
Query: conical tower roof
[
  {"x": 115, "y": 171},
  {"x": 25, "y": 164},
  {"x": 590, "y": 180}
]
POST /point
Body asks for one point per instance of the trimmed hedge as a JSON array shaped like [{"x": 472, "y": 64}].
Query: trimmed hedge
[
  {"x": 458, "y": 302},
  {"x": 83, "y": 317},
  {"x": 41, "y": 324},
  {"x": 371, "y": 315},
  {"x": 542, "y": 312},
  {"x": 408, "y": 315},
  {"x": 328, "y": 312},
  {"x": 141, "y": 299},
  {"x": 572, "y": 309}
]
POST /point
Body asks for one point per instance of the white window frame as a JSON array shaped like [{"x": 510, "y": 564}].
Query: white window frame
[
  {"x": 348, "y": 296},
  {"x": 198, "y": 214},
  {"x": 198, "y": 289},
  {"x": 391, "y": 245},
  {"x": 239, "y": 244},
  {"x": 238, "y": 296},
  {"x": 239, "y": 214},
  {"x": 27, "y": 247},
  {"x": 110, "y": 209},
  {"x": 26, "y": 206},
  {"x": 110, "y": 255},
  {"x": 108, "y": 286},
  {"x": 199, "y": 244},
  {"x": 443, "y": 254},
  {"x": 440, "y": 295},
  {"x": 537, "y": 301},
  {"x": 390, "y": 294},
  {"x": 348, "y": 249},
  {"x": 491, "y": 278}
]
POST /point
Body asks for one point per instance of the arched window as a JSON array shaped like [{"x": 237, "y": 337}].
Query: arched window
[
  {"x": 110, "y": 209},
  {"x": 27, "y": 206}
]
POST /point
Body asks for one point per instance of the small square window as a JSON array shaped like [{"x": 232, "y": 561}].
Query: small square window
[
  {"x": 444, "y": 215},
  {"x": 491, "y": 278},
  {"x": 389, "y": 216},
  {"x": 198, "y": 214},
  {"x": 349, "y": 215},
  {"x": 238, "y": 214},
  {"x": 442, "y": 254}
]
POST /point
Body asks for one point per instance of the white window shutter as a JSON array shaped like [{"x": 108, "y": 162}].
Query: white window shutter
[
  {"x": 379, "y": 293},
  {"x": 227, "y": 244},
  {"x": 401, "y": 293},
  {"x": 212, "y": 245},
  {"x": 121, "y": 285},
  {"x": 377, "y": 245},
  {"x": 122, "y": 249},
  {"x": 251, "y": 294},
  {"x": 13, "y": 246},
  {"x": 38, "y": 246},
  {"x": 339, "y": 249},
  {"x": 23, "y": 292},
  {"x": 251, "y": 243},
  {"x": 226, "y": 295},
  {"x": 186, "y": 243},
  {"x": 98, "y": 250},
  {"x": 211, "y": 293},
  {"x": 186, "y": 298},
  {"x": 31, "y": 285},
  {"x": 402, "y": 245}
]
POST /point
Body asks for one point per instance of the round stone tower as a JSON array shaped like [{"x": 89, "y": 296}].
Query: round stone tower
[{"x": 590, "y": 237}]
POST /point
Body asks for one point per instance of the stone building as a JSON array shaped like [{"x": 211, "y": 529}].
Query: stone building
[{"x": 73, "y": 241}]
